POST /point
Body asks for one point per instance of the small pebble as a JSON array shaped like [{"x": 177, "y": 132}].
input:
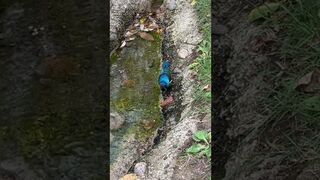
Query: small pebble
[{"x": 140, "y": 169}]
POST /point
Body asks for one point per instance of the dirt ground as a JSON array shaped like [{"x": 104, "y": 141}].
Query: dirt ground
[{"x": 245, "y": 146}]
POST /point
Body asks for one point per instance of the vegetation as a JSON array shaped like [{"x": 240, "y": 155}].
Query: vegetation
[
  {"x": 294, "y": 100},
  {"x": 202, "y": 64},
  {"x": 202, "y": 146},
  {"x": 300, "y": 52}
]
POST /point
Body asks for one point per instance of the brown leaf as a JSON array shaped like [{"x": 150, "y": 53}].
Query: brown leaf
[
  {"x": 166, "y": 102},
  {"x": 142, "y": 27},
  {"x": 130, "y": 33},
  {"x": 309, "y": 83},
  {"x": 153, "y": 26},
  {"x": 146, "y": 36},
  {"x": 131, "y": 39}
]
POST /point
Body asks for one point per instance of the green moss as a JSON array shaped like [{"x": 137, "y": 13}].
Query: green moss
[
  {"x": 141, "y": 89},
  {"x": 114, "y": 57}
]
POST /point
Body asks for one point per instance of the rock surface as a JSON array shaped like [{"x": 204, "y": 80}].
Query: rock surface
[
  {"x": 116, "y": 121},
  {"x": 185, "y": 36},
  {"x": 141, "y": 169}
]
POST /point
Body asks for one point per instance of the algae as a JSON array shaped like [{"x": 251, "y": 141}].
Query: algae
[{"x": 135, "y": 71}]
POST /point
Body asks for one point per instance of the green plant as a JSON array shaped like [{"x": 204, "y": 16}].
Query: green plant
[{"x": 202, "y": 145}]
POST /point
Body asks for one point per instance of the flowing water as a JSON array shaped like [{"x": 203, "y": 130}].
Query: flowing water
[{"x": 52, "y": 90}]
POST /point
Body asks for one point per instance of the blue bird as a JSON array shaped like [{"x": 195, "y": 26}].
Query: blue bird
[{"x": 164, "y": 78}]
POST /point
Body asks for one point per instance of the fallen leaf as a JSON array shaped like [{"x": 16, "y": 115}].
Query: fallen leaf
[
  {"x": 129, "y": 177},
  {"x": 123, "y": 44},
  {"x": 152, "y": 19},
  {"x": 131, "y": 39},
  {"x": 263, "y": 11},
  {"x": 309, "y": 83},
  {"x": 146, "y": 36},
  {"x": 148, "y": 29},
  {"x": 153, "y": 26},
  {"x": 141, "y": 27},
  {"x": 136, "y": 25},
  {"x": 207, "y": 88},
  {"x": 129, "y": 33},
  {"x": 193, "y": 2},
  {"x": 166, "y": 102}
]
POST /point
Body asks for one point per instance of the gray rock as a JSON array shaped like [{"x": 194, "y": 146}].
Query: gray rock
[
  {"x": 116, "y": 121},
  {"x": 183, "y": 53},
  {"x": 141, "y": 169}
]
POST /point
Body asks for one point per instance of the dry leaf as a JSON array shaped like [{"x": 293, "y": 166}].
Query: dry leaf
[
  {"x": 131, "y": 39},
  {"x": 146, "y": 36},
  {"x": 141, "y": 27},
  {"x": 136, "y": 25},
  {"x": 309, "y": 83},
  {"x": 123, "y": 44},
  {"x": 153, "y": 26},
  {"x": 147, "y": 29},
  {"x": 130, "y": 33},
  {"x": 129, "y": 177},
  {"x": 207, "y": 88},
  {"x": 159, "y": 30},
  {"x": 166, "y": 102}
]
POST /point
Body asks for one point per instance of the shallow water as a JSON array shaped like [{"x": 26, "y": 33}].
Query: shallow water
[
  {"x": 52, "y": 90},
  {"x": 135, "y": 92}
]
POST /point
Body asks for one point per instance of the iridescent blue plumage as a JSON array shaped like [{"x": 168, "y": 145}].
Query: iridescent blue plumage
[{"x": 164, "y": 78}]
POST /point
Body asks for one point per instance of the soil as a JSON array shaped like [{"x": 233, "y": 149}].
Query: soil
[{"x": 245, "y": 145}]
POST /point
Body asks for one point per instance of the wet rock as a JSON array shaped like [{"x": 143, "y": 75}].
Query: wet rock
[
  {"x": 116, "y": 121},
  {"x": 219, "y": 29},
  {"x": 141, "y": 169}
]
